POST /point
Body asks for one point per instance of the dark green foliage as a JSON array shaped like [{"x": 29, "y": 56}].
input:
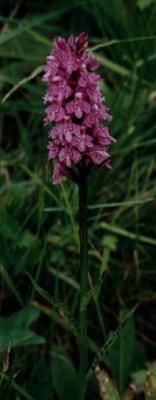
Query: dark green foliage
[
  {"x": 41, "y": 383},
  {"x": 39, "y": 244},
  {"x": 14, "y": 330},
  {"x": 64, "y": 376}
]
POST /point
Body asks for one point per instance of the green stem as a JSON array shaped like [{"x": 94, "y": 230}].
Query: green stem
[{"x": 84, "y": 277}]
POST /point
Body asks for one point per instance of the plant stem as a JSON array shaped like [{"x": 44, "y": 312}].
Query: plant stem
[{"x": 84, "y": 277}]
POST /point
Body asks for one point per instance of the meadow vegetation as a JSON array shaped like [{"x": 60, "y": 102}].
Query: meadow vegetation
[{"x": 39, "y": 238}]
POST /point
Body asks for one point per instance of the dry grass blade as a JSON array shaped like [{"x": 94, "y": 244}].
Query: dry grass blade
[{"x": 107, "y": 388}]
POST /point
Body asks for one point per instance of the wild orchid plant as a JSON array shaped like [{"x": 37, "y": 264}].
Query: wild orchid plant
[{"x": 78, "y": 139}]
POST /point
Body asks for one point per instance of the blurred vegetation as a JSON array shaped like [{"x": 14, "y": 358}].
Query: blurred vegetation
[{"x": 39, "y": 272}]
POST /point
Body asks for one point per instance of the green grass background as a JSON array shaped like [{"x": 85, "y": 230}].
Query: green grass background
[{"x": 39, "y": 245}]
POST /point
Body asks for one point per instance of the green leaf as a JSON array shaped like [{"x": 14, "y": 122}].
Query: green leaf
[
  {"x": 139, "y": 379},
  {"x": 142, "y": 4},
  {"x": 109, "y": 244},
  {"x": 10, "y": 283},
  {"x": 14, "y": 330},
  {"x": 27, "y": 240},
  {"x": 139, "y": 356},
  {"x": 121, "y": 354},
  {"x": 65, "y": 379},
  {"x": 41, "y": 385},
  {"x": 145, "y": 380}
]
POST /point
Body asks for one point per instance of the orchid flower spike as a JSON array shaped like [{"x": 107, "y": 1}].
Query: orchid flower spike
[{"x": 75, "y": 108}]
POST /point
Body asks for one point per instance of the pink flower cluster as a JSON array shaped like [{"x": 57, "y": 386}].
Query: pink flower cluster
[{"x": 75, "y": 107}]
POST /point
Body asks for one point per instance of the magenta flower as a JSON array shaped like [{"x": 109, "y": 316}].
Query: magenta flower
[{"x": 75, "y": 107}]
